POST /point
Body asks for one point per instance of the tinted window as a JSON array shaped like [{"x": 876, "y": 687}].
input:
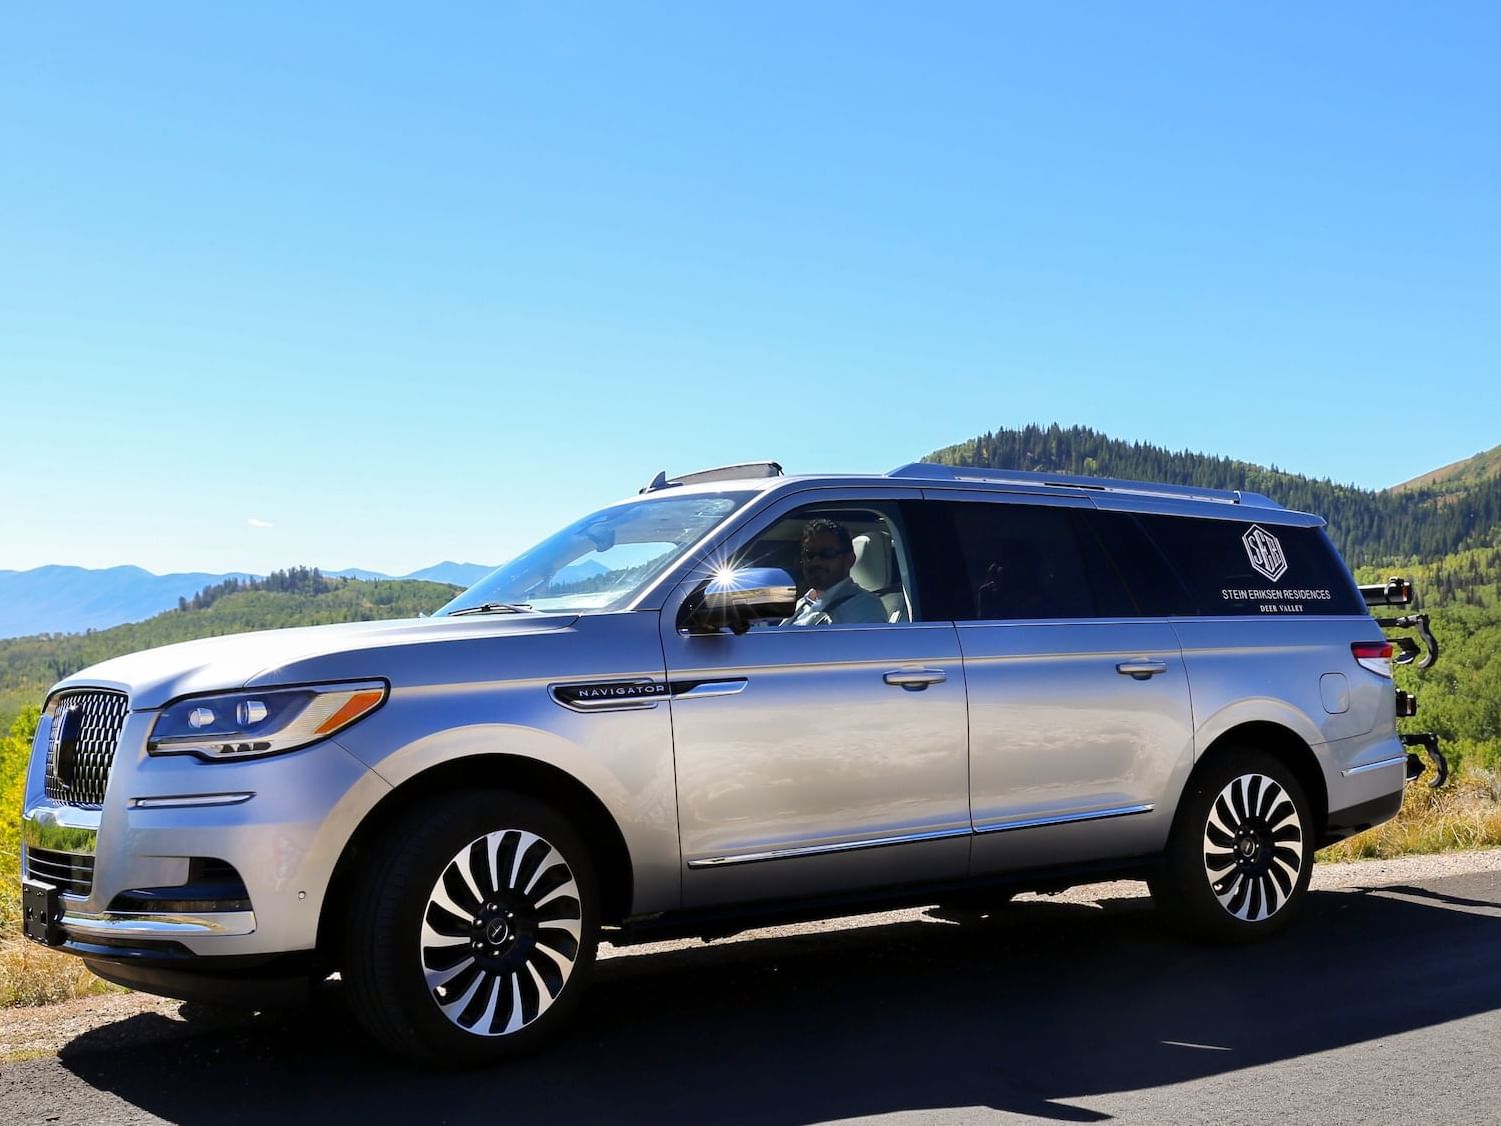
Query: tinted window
[
  {"x": 1149, "y": 584},
  {"x": 1019, "y": 561},
  {"x": 1241, "y": 567}
]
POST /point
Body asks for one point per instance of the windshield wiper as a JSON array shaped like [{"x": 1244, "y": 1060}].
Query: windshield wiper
[{"x": 492, "y": 608}]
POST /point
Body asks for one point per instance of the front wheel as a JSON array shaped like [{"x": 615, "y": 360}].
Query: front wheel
[
  {"x": 473, "y": 929},
  {"x": 1241, "y": 851}
]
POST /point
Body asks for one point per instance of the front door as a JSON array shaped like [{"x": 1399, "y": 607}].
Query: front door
[{"x": 824, "y": 757}]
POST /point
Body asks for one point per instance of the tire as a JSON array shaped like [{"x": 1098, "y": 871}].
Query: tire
[
  {"x": 445, "y": 976},
  {"x": 1240, "y": 854}
]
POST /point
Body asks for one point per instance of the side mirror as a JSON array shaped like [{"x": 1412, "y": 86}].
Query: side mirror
[{"x": 737, "y": 598}]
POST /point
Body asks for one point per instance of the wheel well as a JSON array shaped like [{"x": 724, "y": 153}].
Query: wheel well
[
  {"x": 564, "y": 793},
  {"x": 1289, "y": 749}
]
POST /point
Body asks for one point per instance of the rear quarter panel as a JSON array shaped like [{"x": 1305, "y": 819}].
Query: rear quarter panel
[{"x": 1289, "y": 671}]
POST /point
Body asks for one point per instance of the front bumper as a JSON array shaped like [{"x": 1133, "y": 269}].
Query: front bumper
[{"x": 279, "y": 824}]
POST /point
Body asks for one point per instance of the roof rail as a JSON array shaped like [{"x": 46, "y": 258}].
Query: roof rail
[
  {"x": 934, "y": 472},
  {"x": 719, "y": 473}
]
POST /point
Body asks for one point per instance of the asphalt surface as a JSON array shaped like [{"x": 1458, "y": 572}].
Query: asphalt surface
[{"x": 1381, "y": 1006}]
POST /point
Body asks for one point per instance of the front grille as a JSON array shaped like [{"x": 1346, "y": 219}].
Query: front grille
[
  {"x": 85, "y": 728},
  {"x": 70, "y": 872}
]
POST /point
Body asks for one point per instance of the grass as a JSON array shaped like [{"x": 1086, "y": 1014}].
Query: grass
[
  {"x": 1465, "y": 814},
  {"x": 33, "y": 975}
]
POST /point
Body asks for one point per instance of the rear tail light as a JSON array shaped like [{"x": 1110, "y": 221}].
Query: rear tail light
[{"x": 1374, "y": 655}]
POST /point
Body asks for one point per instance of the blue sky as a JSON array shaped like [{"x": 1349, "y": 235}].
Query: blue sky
[{"x": 365, "y": 287}]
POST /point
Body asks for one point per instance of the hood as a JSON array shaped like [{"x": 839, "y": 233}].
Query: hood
[{"x": 216, "y": 664}]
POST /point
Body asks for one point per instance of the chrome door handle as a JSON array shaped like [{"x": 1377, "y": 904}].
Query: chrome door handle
[
  {"x": 915, "y": 680},
  {"x": 1141, "y": 670}
]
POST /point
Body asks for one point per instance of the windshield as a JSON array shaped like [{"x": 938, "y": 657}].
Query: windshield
[{"x": 603, "y": 560}]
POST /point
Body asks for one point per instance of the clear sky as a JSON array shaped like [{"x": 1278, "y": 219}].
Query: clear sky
[{"x": 350, "y": 286}]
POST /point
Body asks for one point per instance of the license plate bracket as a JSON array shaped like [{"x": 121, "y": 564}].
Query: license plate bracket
[{"x": 41, "y": 913}]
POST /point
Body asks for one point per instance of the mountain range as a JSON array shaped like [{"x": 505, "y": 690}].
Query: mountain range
[
  {"x": 1453, "y": 508},
  {"x": 62, "y": 599}
]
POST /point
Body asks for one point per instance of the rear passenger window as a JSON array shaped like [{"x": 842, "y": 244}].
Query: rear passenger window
[
  {"x": 1241, "y": 567},
  {"x": 1152, "y": 587},
  {"x": 1019, "y": 561}
]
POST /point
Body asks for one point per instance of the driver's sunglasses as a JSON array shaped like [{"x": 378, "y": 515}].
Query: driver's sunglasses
[{"x": 827, "y": 554}]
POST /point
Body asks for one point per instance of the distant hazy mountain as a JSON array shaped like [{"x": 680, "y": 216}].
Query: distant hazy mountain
[
  {"x": 588, "y": 569},
  {"x": 460, "y": 574},
  {"x": 58, "y": 599},
  {"x": 356, "y": 573},
  {"x": 61, "y": 599}
]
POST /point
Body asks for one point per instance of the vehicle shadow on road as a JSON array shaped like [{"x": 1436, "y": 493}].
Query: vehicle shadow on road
[{"x": 1030, "y": 1011}]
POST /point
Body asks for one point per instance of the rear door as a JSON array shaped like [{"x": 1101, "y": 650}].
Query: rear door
[{"x": 1081, "y": 733}]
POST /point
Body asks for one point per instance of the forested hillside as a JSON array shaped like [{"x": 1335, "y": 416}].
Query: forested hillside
[
  {"x": 1445, "y": 536},
  {"x": 1459, "y": 699},
  {"x": 1459, "y": 475},
  {"x": 296, "y": 597},
  {"x": 1368, "y": 526}
]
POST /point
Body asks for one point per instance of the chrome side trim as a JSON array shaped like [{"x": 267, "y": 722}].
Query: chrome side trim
[
  {"x": 186, "y": 800},
  {"x": 630, "y": 694},
  {"x": 1399, "y": 760},
  {"x": 61, "y": 829},
  {"x": 1066, "y": 818},
  {"x": 819, "y": 850},
  {"x": 710, "y": 688},
  {"x": 166, "y": 926}
]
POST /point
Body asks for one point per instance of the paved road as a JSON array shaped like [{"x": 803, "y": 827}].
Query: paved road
[{"x": 1383, "y": 1006}]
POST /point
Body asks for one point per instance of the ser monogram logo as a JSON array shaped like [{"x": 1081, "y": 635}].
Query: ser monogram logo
[{"x": 1265, "y": 552}]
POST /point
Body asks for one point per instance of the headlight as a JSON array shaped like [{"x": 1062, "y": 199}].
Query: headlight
[{"x": 247, "y": 724}]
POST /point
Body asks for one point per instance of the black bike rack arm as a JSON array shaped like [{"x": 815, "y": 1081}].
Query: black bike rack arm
[{"x": 1421, "y": 653}]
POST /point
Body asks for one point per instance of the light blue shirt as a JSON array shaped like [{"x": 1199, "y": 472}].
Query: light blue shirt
[{"x": 844, "y": 602}]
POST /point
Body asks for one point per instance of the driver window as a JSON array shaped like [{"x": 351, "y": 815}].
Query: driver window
[{"x": 850, "y": 564}]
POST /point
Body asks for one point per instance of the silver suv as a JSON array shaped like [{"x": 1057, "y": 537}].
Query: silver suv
[{"x": 738, "y": 696}]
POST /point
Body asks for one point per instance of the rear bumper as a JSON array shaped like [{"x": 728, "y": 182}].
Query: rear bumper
[{"x": 1358, "y": 818}]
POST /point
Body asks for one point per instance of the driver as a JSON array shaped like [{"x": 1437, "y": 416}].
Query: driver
[{"x": 833, "y": 598}]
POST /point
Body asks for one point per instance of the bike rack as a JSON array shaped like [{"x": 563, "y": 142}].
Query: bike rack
[{"x": 1421, "y": 652}]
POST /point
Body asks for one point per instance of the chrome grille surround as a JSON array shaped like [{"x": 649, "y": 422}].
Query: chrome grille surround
[
  {"x": 78, "y": 774},
  {"x": 70, "y": 872}
]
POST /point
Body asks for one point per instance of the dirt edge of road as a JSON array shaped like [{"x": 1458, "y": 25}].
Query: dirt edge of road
[{"x": 117, "y": 1020}]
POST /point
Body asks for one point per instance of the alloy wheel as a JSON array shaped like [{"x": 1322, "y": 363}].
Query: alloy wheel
[
  {"x": 1253, "y": 847},
  {"x": 501, "y": 932}
]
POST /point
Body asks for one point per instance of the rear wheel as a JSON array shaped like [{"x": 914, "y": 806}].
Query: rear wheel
[
  {"x": 1241, "y": 851},
  {"x": 473, "y": 930}
]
